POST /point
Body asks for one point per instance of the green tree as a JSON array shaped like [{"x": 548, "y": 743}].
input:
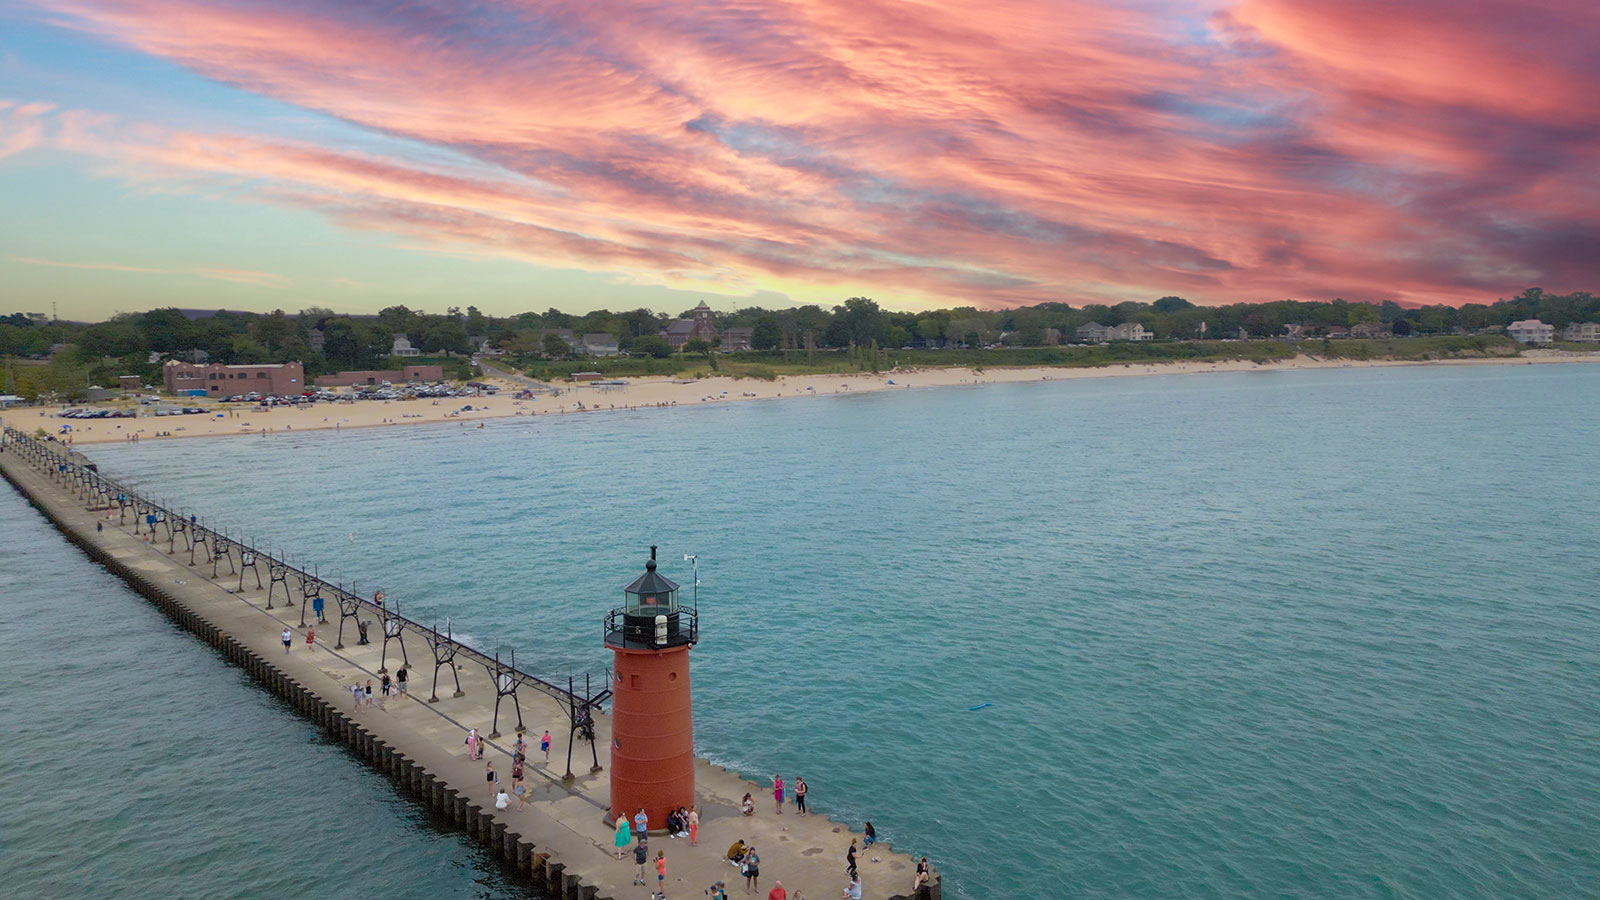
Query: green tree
[
  {"x": 446, "y": 335},
  {"x": 116, "y": 337},
  {"x": 556, "y": 347},
  {"x": 859, "y": 321},
  {"x": 345, "y": 342},
  {"x": 272, "y": 331},
  {"x": 765, "y": 333},
  {"x": 524, "y": 342},
  {"x": 246, "y": 350},
  {"x": 704, "y": 347},
  {"x": 165, "y": 330},
  {"x": 652, "y": 345}
]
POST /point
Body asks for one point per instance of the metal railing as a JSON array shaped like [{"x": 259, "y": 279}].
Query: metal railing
[
  {"x": 683, "y": 627},
  {"x": 85, "y": 480}
]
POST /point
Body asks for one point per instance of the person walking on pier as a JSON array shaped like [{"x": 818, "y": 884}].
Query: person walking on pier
[
  {"x": 472, "y": 743},
  {"x": 383, "y": 693},
  {"x": 623, "y": 838},
  {"x": 357, "y": 695},
  {"x": 777, "y": 793},
  {"x": 544, "y": 744},
  {"x": 369, "y": 693},
  {"x": 400, "y": 677},
  {"x": 288, "y": 639},
  {"x": 850, "y": 859},
  {"x": 800, "y": 794},
  {"x": 311, "y": 637},
  {"x": 641, "y": 856}
]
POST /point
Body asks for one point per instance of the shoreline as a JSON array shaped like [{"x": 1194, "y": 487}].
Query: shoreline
[{"x": 656, "y": 392}]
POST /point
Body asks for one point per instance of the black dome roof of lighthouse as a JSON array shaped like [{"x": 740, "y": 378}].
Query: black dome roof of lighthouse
[{"x": 651, "y": 582}]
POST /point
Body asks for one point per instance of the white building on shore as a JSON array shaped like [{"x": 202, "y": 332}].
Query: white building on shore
[
  {"x": 1582, "y": 333},
  {"x": 1531, "y": 331}
]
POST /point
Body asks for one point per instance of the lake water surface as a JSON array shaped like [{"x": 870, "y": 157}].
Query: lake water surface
[
  {"x": 138, "y": 765},
  {"x": 1296, "y": 634}
]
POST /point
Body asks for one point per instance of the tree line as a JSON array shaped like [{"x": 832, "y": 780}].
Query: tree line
[{"x": 363, "y": 342}]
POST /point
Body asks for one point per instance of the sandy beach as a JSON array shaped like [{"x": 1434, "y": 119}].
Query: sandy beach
[{"x": 640, "y": 393}]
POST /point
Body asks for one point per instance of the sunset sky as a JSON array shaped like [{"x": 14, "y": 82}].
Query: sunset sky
[{"x": 254, "y": 154}]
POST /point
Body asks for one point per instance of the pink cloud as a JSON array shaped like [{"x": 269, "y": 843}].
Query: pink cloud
[{"x": 994, "y": 153}]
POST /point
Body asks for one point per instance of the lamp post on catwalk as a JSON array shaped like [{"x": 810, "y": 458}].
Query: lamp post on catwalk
[{"x": 652, "y": 721}]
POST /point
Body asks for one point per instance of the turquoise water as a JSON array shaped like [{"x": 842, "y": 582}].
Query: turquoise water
[
  {"x": 138, "y": 765},
  {"x": 1321, "y": 633}
]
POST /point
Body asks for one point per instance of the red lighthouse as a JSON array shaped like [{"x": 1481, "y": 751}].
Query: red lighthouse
[{"x": 652, "y": 722}]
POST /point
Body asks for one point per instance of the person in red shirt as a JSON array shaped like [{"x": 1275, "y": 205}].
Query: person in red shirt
[{"x": 777, "y": 892}]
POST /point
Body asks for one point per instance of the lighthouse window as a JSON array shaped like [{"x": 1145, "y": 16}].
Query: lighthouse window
[{"x": 652, "y": 605}]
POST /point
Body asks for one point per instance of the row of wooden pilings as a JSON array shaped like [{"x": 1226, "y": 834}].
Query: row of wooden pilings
[{"x": 525, "y": 860}]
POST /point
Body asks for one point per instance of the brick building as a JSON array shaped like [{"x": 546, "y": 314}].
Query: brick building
[
  {"x": 224, "y": 381},
  {"x": 379, "y": 376},
  {"x": 703, "y": 327}
]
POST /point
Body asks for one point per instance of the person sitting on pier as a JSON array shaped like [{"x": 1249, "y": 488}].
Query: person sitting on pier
[
  {"x": 921, "y": 878},
  {"x": 736, "y": 851},
  {"x": 672, "y": 823},
  {"x": 683, "y": 823},
  {"x": 748, "y": 806}
]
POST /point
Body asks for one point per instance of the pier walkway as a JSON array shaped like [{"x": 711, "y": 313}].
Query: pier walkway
[{"x": 563, "y": 829}]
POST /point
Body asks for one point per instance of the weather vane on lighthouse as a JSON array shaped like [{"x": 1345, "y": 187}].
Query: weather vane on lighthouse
[{"x": 652, "y": 721}]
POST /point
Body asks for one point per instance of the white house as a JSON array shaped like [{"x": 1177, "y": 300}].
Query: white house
[
  {"x": 1531, "y": 331},
  {"x": 402, "y": 347},
  {"x": 1128, "y": 331},
  {"x": 1582, "y": 332},
  {"x": 1093, "y": 333},
  {"x": 598, "y": 343}
]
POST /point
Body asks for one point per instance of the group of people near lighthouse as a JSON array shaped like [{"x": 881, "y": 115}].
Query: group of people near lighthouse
[
  {"x": 684, "y": 822},
  {"x": 519, "y": 760}
]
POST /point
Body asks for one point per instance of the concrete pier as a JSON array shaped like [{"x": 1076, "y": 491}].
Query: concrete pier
[{"x": 560, "y": 843}]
